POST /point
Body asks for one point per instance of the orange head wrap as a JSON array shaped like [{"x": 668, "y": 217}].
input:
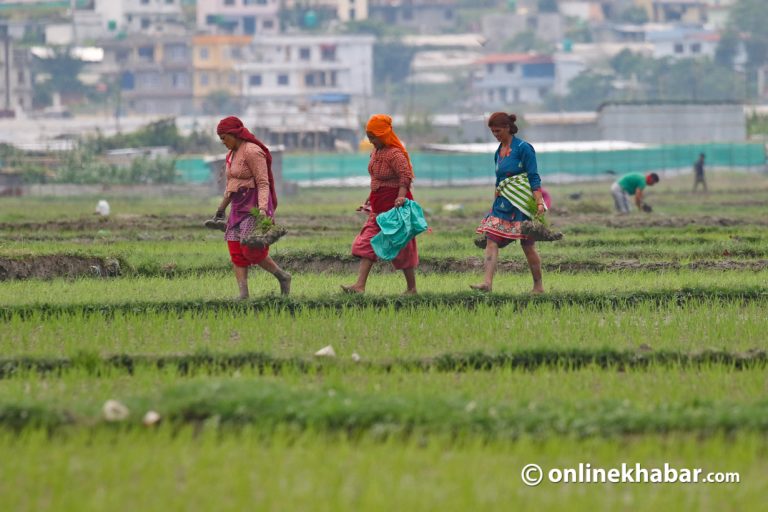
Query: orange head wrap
[{"x": 381, "y": 126}]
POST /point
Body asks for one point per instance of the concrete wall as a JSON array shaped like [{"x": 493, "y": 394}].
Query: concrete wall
[
  {"x": 673, "y": 123},
  {"x": 570, "y": 132}
]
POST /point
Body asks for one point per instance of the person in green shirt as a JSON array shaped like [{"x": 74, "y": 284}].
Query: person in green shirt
[{"x": 632, "y": 184}]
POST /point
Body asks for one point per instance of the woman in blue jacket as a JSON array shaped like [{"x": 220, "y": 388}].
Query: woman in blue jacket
[{"x": 518, "y": 185}]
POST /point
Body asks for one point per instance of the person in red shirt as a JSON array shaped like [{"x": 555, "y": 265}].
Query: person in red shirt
[{"x": 391, "y": 179}]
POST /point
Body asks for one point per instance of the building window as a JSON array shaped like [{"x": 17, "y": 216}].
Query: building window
[
  {"x": 268, "y": 24},
  {"x": 696, "y": 48},
  {"x": 127, "y": 81},
  {"x": 169, "y": 2},
  {"x": 121, "y": 56},
  {"x": 144, "y": 2},
  {"x": 236, "y": 52},
  {"x": 147, "y": 53},
  {"x": 543, "y": 91},
  {"x": 254, "y": 80},
  {"x": 448, "y": 14},
  {"x": 678, "y": 48},
  {"x": 334, "y": 77},
  {"x": 203, "y": 79},
  {"x": 303, "y": 53},
  {"x": 502, "y": 94},
  {"x": 510, "y": 68},
  {"x": 352, "y": 14},
  {"x": 229, "y": 2},
  {"x": 233, "y": 79},
  {"x": 489, "y": 68},
  {"x": 328, "y": 52},
  {"x": 179, "y": 80},
  {"x": 282, "y": 79},
  {"x": 249, "y": 25},
  {"x": 203, "y": 53},
  {"x": 407, "y": 13},
  {"x": 20, "y": 78},
  {"x": 144, "y": 23},
  {"x": 176, "y": 53}
]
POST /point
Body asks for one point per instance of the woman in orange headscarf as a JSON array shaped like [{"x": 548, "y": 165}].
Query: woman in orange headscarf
[
  {"x": 249, "y": 185},
  {"x": 391, "y": 179}
]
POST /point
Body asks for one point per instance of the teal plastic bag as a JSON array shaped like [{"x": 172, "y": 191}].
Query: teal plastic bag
[{"x": 398, "y": 227}]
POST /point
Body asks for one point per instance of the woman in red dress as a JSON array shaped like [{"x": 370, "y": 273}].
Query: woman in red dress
[{"x": 391, "y": 179}]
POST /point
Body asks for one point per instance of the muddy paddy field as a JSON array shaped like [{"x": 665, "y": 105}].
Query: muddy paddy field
[{"x": 130, "y": 378}]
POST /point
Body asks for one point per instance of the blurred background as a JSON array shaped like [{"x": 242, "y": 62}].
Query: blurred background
[{"x": 127, "y": 93}]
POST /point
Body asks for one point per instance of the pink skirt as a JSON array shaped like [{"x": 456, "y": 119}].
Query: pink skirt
[{"x": 408, "y": 257}]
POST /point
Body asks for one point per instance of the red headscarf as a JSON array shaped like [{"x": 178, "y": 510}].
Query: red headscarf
[
  {"x": 234, "y": 126},
  {"x": 381, "y": 126}
]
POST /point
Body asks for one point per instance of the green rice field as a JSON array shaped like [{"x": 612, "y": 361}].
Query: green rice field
[{"x": 648, "y": 348}]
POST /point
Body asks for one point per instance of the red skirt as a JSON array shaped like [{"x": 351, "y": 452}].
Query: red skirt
[{"x": 381, "y": 201}]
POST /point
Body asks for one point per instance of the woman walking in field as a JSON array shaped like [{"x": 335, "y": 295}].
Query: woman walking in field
[
  {"x": 518, "y": 185},
  {"x": 391, "y": 178},
  {"x": 249, "y": 185}
]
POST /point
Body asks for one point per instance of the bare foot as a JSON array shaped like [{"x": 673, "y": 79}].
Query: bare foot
[
  {"x": 285, "y": 283},
  {"x": 352, "y": 289},
  {"x": 537, "y": 291},
  {"x": 485, "y": 288},
  {"x": 410, "y": 292}
]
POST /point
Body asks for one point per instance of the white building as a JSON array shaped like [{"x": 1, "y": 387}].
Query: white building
[
  {"x": 155, "y": 17},
  {"x": 680, "y": 43},
  {"x": 513, "y": 78},
  {"x": 239, "y": 17},
  {"x": 100, "y": 19},
  {"x": 290, "y": 68}
]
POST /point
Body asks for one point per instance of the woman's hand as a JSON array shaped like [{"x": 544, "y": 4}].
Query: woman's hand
[
  {"x": 400, "y": 201},
  {"x": 540, "y": 209},
  {"x": 263, "y": 212}
]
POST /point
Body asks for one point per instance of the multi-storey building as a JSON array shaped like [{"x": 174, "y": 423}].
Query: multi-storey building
[
  {"x": 154, "y": 75},
  {"x": 243, "y": 17},
  {"x": 290, "y": 68},
  {"x": 215, "y": 58},
  {"x": 513, "y": 79}
]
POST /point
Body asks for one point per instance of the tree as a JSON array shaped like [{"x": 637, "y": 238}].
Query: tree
[
  {"x": 527, "y": 42},
  {"x": 635, "y": 15},
  {"x": 61, "y": 71},
  {"x": 749, "y": 18},
  {"x": 586, "y": 92},
  {"x": 220, "y": 102},
  {"x": 391, "y": 62}
]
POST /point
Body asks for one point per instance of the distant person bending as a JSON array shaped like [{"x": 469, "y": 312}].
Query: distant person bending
[
  {"x": 250, "y": 184},
  {"x": 515, "y": 162},
  {"x": 698, "y": 173},
  {"x": 391, "y": 179},
  {"x": 631, "y": 184}
]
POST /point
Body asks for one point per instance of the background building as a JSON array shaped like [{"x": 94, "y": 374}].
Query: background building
[
  {"x": 513, "y": 78},
  {"x": 242, "y": 17}
]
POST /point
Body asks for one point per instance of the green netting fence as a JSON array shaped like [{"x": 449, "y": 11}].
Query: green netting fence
[{"x": 462, "y": 168}]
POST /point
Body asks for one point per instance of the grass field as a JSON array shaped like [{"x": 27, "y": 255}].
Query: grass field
[{"x": 649, "y": 347}]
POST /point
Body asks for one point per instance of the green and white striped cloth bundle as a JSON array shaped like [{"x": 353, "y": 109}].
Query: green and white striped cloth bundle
[{"x": 517, "y": 190}]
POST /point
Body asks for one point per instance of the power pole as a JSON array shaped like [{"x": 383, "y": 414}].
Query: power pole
[
  {"x": 73, "y": 8},
  {"x": 7, "y": 65}
]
